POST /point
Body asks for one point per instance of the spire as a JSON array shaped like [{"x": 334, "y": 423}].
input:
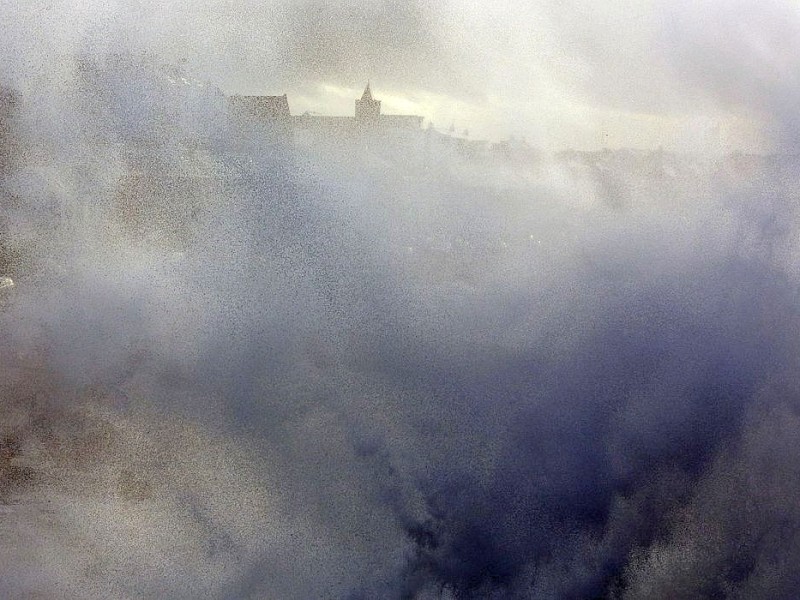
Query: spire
[
  {"x": 367, "y": 108},
  {"x": 367, "y": 95}
]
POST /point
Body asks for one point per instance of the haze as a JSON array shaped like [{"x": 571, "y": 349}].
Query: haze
[
  {"x": 641, "y": 74},
  {"x": 364, "y": 359}
]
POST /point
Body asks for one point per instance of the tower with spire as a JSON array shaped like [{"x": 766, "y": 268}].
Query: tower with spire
[
  {"x": 367, "y": 120},
  {"x": 368, "y": 110}
]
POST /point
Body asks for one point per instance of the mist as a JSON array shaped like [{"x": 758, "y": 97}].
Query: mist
[{"x": 236, "y": 366}]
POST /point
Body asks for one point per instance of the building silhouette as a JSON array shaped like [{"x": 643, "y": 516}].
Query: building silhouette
[
  {"x": 264, "y": 107},
  {"x": 367, "y": 129},
  {"x": 367, "y": 118}
]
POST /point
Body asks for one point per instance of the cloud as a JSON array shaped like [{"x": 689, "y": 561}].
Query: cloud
[
  {"x": 743, "y": 54},
  {"x": 623, "y": 74}
]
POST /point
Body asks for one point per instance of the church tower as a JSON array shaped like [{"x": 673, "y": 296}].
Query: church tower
[{"x": 368, "y": 110}]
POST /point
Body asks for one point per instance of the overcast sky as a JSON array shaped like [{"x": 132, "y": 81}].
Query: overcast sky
[{"x": 700, "y": 74}]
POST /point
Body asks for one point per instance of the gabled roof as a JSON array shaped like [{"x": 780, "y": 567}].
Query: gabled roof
[
  {"x": 271, "y": 107},
  {"x": 275, "y": 106}
]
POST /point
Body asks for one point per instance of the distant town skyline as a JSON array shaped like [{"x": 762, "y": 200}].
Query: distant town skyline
[
  {"x": 587, "y": 128},
  {"x": 624, "y": 73}
]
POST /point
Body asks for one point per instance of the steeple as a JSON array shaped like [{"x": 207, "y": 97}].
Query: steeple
[
  {"x": 367, "y": 95},
  {"x": 368, "y": 110}
]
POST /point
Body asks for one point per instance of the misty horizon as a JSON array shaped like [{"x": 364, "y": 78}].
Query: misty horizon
[{"x": 621, "y": 75}]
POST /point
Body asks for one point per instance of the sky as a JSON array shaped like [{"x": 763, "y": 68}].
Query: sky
[{"x": 622, "y": 73}]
